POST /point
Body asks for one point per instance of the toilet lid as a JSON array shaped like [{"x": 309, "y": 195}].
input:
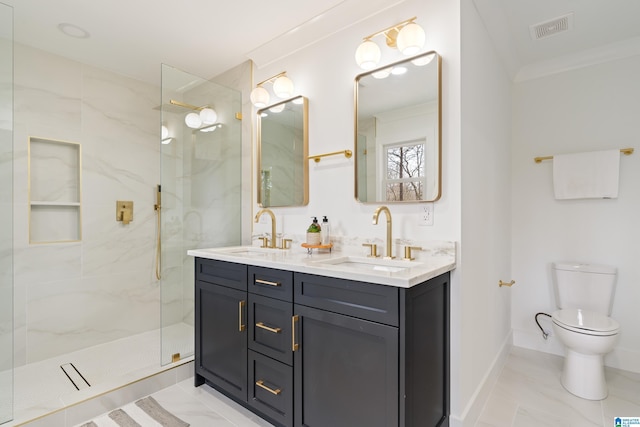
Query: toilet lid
[{"x": 585, "y": 321}]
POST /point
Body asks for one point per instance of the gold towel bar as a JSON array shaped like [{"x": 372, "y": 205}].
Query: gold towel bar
[
  {"x": 625, "y": 151},
  {"x": 316, "y": 158}
]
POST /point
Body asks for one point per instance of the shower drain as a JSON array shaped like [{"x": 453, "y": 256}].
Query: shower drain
[{"x": 76, "y": 378}]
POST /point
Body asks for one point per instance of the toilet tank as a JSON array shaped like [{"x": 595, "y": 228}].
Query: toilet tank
[{"x": 584, "y": 286}]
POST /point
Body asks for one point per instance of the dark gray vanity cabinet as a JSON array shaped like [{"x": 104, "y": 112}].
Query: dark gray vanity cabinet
[
  {"x": 375, "y": 355},
  {"x": 221, "y": 331},
  {"x": 321, "y": 351},
  {"x": 348, "y": 353}
]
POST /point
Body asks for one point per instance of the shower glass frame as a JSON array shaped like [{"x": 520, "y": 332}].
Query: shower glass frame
[
  {"x": 201, "y": 189},
  {"x": 6, "y": 216}
]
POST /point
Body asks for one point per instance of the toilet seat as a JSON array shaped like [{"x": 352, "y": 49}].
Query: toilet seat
[{"x": 585, "y": 322}]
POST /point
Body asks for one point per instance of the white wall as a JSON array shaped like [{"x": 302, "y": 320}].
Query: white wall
[
  {"x": 478, "y": 177},
  {"x": 593, "y": 108},
  {"x": 325, "y": 74},
  {"x": 484, "y": 312}
]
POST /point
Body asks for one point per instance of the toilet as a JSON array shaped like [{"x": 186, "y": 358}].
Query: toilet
[{"x": 584, "y": 296}]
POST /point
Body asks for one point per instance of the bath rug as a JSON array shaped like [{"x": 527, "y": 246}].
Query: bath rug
[
  {"x": 158, "y": 413},
  {"x": 123, "y": 419}
]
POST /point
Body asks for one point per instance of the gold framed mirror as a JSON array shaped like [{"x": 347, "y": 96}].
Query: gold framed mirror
[
  {"x": 398, "y": 121},
  {"x": 282, "y": 150}
]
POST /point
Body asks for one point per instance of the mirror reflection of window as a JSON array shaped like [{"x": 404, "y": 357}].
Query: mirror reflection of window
[{"x": 405, "y": 178}]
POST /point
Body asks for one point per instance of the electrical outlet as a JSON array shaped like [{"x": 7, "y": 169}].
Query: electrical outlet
[{"x": 425, "y": 214}]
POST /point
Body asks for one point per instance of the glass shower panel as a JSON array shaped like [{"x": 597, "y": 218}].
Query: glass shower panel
[
  {"x": 201, "y": 193},
  {"x": 6, "y": 213}
]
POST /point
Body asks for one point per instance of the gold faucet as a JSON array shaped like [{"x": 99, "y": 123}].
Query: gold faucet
[
  {"x": 273, "y": 226},
  {"x": 376, "y": 214}
]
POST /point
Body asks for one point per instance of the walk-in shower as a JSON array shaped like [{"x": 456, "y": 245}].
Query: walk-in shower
[{"x": 88, "y": 312}]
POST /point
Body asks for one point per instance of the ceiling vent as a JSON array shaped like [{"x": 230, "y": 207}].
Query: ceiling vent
[{"x": 552, "y": 27}]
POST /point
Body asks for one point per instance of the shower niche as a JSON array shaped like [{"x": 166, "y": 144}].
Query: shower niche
[{"x": 54, "y": 191}]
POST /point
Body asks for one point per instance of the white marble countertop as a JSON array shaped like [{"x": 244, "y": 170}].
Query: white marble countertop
[{"x": 432, "y": 261}]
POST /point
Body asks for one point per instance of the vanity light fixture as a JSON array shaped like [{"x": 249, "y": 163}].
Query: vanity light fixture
[
  {"x": 407, "y": 36},
  {"x": 205, "y": 118},
  {"x": 282, "y": 88}
]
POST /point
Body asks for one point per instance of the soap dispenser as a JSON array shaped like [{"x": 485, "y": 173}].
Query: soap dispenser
[
  {"x": 325, "y": 231},
  {"x": 314, "y": 233}
]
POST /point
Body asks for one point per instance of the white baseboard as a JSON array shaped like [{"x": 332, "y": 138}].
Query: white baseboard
[{"x": 474, "y": 408}]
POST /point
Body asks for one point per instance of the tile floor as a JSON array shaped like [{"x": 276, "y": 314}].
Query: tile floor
[
  {"x": 200, "y": 407},
  {"x": 528, "y": 393}
]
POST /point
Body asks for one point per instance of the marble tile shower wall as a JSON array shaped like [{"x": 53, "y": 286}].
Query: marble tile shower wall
[{"x": 73, "y": 295}]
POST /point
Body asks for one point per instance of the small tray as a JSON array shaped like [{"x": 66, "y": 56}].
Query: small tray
[{"x": 310, "y": 248}]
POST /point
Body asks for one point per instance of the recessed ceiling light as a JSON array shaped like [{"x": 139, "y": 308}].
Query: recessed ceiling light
[{"x": 73, "y": 31}]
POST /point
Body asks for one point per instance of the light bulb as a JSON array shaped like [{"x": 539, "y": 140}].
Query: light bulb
[
  {"x": 259, "y": 97},
  {"x": 410, "y": 39},
  {"x": 283, "y": 87},
  {"x": 423, "y": 60},
  {"x": 368, "y": 55},
  {"x": 193, "y": 120},
  {"x": 382, "y": 74},
  {"x": 208, "y": 116},
  {"x": 277, "y": 108},
  {"x": 210, "y": 128}
]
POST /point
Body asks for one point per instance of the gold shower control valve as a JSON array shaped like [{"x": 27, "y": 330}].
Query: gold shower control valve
[{"x": 124, "y": 211}]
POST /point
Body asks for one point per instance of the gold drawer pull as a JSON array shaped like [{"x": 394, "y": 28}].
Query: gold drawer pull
[
  {"x": 267, "y": 328},
  {"x": 260, "y": 383},
  {"x": 294, "y": 344},
  {"x": 241, "y": 326},
  {"x": 509, "y": 284},
  {"x": 266, "y": 282}
]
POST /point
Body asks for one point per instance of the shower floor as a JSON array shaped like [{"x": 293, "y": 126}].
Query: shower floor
[{"x": 43, "y": 387}]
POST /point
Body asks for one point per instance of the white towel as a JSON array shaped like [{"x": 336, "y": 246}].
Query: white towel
[{"x": 588, "y": 175}]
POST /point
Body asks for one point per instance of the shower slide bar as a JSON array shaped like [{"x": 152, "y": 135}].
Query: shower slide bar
[{"x": 158, "y": 208}]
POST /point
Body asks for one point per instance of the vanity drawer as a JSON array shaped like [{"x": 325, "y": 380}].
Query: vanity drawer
[
  {"x": 368, "y": 301},
  {"x": 270, "y": 327},
  {"x": 222, "y": 273},
  {"x": 271, "y": 282},
  {"x": 271, "y": 388}
]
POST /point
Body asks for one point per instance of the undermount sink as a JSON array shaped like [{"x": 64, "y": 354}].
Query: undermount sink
[{"x": 369, "y": 264}]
